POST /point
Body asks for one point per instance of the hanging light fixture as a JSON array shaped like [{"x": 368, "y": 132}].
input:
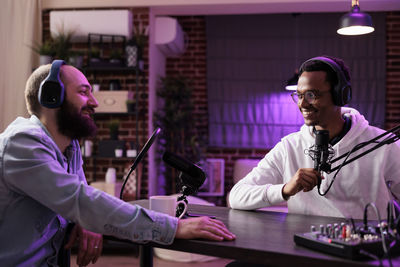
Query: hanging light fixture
[
  {"x": 291, "y": 84},
  {"x": 355, "y": 22}
]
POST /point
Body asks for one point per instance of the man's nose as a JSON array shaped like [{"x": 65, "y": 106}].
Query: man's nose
[{"x": 93, "y": 101}]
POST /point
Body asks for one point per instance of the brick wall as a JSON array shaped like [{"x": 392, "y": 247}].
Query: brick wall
[
  {"x": 193, "y": 65},
  {"x": 95, "y": 169},
  {"x": 195, "y": 58},
  {"x": 392, "y": 69}
]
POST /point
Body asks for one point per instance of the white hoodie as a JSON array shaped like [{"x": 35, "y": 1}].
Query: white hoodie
[{"x": 357, "y": 184}]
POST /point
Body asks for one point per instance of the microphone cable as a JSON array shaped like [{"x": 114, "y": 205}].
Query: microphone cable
[{"x": 340, "y": 167}]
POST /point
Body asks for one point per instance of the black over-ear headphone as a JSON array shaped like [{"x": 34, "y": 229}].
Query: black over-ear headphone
[
  {"x": 51, "y": 90},
  {"x": 341, "y": 93}
]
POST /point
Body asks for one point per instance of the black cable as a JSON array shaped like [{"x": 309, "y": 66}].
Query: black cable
[
  {"x": 139, "y": 157},
  {"x": 356, "y": 147},
  {"x": 384, "y": 247}
]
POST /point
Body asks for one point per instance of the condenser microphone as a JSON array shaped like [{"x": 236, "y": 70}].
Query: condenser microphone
[
  {"x": 192, "y": 177},
  {"x": 322, "y": 149}
]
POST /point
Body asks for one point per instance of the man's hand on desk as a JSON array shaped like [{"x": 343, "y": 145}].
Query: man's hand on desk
[{"x": 203, "y": 227}]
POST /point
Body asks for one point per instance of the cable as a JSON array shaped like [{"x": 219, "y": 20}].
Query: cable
[
  {"x": 356, "y": 147},
  {"x": 384, "y": 247}
]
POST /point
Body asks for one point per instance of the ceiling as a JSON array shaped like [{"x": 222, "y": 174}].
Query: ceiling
[{"x": 214, "y": 7}]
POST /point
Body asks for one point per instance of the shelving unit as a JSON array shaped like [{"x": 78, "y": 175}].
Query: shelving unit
[{"x": 119, "y": 161}]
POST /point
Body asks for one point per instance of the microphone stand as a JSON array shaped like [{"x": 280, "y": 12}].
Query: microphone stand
[
  {"x": 394, "y": 135},
  {"x": 187, "y": 189}
]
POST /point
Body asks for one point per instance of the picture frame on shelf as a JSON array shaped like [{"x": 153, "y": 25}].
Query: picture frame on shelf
[{"x": 215, "y": 180}]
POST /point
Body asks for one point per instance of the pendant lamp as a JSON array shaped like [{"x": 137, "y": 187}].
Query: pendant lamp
[{"x": 355, "y": 22}]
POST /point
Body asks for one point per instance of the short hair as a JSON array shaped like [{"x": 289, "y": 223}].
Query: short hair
[
  {"x": 331, "y": 76},
  {"x": 32, "y": 88}
]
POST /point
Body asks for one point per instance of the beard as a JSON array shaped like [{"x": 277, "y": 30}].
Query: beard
[{"x": 73, "y": 124}]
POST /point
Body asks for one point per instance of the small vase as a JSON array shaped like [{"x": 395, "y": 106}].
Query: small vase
[{"x": 44, "y": 59}]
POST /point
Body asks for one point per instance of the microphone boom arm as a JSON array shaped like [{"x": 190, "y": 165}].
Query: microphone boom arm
[{"x": 395, "y": 131}]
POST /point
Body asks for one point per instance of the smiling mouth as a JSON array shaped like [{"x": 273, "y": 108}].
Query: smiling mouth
[
  {"x": 87, "y": 112},
  {"x": 308, "y": 113}
]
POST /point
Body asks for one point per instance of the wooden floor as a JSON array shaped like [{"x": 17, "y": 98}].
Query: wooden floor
[
  {"x": 119, "y": 254},
  {"x": 125, "y": 260}
]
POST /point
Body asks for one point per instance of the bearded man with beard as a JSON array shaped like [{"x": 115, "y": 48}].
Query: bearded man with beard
[
  {"x": 287, "y": 174},
  {"x": 43, "y": 188}
]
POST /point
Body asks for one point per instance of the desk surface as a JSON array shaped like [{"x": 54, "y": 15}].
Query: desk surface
[{"x": 263, "y": 237}]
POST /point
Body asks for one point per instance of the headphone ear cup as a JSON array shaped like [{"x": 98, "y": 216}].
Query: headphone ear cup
[
  {"x": 346, "y": 95},
  {"x": 51, "y": 90},
  {"x": 51, "y": 94},
  {"x": 341, "y": 95}
]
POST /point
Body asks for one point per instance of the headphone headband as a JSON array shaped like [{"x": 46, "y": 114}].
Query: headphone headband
[{"x": 341, "y": 93}]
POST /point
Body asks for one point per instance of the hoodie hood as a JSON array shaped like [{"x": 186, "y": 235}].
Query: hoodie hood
[{"x": 358, "y": 125}]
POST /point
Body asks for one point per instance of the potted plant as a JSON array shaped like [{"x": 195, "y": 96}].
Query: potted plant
[
  {"x": 179, "y": 134},
  {"x": 113, "y": 126},
  {"x": 62, "y": 44},
  {"x": 94, "y": 56},
  {"x": 45, "y": 51},
  {"x": 116, "y": 57}
]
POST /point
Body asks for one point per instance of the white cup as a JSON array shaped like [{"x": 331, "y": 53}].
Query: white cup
[
  {"x": 88, "y": 148},
  {"x": 118, "y": 152},
  {"x": 166, "y": 204},
  {"x": 96, "y": 87},
  {"x": 131, "y": 153}
]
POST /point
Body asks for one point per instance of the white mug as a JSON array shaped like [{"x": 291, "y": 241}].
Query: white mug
[
  {"x": 167, "y": 204},
  {"x": 118, "y": 152}
]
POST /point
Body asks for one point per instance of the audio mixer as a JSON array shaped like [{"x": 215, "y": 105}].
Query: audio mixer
[{"x": 348, "y": 241}]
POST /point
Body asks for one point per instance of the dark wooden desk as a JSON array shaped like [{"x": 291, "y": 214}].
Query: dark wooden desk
[{"x": 261, "y": 237}]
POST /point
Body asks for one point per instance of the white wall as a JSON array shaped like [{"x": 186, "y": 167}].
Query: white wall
[{"x": 157, "y": 63}]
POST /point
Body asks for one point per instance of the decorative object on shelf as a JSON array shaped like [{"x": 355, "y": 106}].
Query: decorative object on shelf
[
  {"x": 134, "y": 47},
  {"x": 130, "y": 186},
  {"x": 105, "y": 50},
  {"x": 76, "y": 58},
  {"x": 94, "y": 56},
  {"x": 119, "y": 152},
  {"x": 131, "y": 151},
  {"x": 214, "y": 183},
  {"x": 130, "y": 103},
  {"x": 113, "y": 126},
  {"x": 96, "y": 87},
  {"x": 111, "y": 101},
  {"x": 87, "y": 148},
  {"x": 131, "y": 54},
  {"x": 116, "y": 58},
  {"x": 175, "y": 117},
  {"x": 107, "y": 147},
  {"x": 115, "y": 85}
]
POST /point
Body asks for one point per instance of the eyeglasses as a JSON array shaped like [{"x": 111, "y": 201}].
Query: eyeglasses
[{"x": 309, "y": 96}]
